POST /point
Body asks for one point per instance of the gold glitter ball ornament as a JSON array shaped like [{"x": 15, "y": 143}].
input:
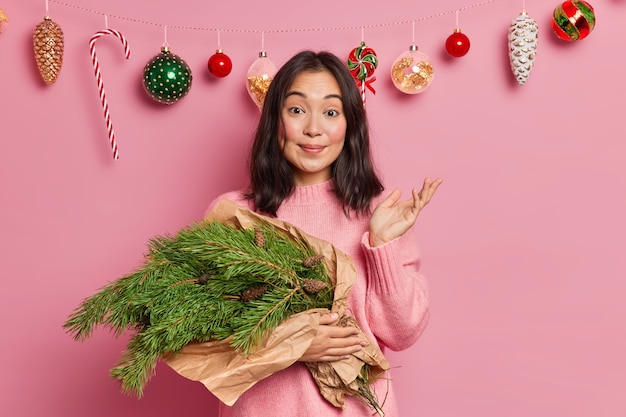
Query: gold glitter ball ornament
[
  {"x": 260, "y": 76},
  {"x": 4, "y": 20},
  {"x": 412, "y": 71},
  {"x": 48, "y": 46}
]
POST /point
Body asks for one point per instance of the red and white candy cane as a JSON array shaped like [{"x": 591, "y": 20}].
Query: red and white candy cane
[{"x": 96, "y": 68}]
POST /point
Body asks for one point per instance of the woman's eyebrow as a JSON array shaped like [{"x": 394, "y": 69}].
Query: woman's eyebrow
[
  {"x": 295, "y": 93},
  {"x": 298, "y": 93}
]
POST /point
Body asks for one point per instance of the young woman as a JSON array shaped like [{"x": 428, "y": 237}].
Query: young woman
[{"x": 310, "y": 165}]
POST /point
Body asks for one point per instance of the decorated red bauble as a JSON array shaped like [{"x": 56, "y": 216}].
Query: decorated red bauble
[
  {"x": 573, "y": 20},
  {"x": 220, "y": 64},
  {"x": 457, "y": 44}
]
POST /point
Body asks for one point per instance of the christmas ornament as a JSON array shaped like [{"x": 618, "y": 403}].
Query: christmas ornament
[
  {"x": 522, "y": 38},
  {"x": 98, "y": 74},
  {"x": 573, "y": 20},
  {"x": 4, "y": 20},
  {"x": 412, "y": 71},
  {"x": 167, "y": 77},
  {"x": 457, "y": 44},
  {"x": 259, "y": 77},
  {"x": 213, "y": 283},
  {"x": 362, "y": 62},
  {"x": 220, "y": 64},
  {"x": 48, "y": 46}
]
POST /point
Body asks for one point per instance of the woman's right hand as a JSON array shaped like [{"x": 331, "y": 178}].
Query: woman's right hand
[{"x": 332, "y": 342}]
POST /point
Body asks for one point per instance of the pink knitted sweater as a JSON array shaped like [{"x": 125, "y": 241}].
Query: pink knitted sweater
[{"x": 389, "y": 300}]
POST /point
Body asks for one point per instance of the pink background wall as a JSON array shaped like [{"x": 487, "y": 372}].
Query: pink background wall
[{"x": 523, "y": 245}]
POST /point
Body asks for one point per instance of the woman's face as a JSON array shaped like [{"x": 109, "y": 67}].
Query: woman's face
[{"x": 313, "y": 126}]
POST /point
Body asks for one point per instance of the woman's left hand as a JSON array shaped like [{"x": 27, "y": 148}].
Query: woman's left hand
[{"x": 392, "y": 218}]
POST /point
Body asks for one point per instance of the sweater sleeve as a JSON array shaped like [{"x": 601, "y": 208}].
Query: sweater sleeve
[{"x": 397, "y": 294}]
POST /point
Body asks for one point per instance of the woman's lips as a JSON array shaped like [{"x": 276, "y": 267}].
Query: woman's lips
[{"x": 312, "y": 148}]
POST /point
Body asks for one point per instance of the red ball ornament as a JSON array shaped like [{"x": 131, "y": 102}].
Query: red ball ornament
[
  {"x": 220, "y": 64},
  {"x": 457, "y": 44}
]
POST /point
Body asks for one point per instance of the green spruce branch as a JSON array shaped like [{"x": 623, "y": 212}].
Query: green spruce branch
[{"x": 193, "y": 287}]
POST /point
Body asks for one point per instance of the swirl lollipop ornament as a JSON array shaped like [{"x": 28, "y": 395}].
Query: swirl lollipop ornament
[{"x": 362, "y": 62}]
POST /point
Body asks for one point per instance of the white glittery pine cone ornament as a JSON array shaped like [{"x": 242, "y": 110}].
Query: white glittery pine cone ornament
[
  {"x": 523, "y": 35},
  {"x": 48, "y": 46}
]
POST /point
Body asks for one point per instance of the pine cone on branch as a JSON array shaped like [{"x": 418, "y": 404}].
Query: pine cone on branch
[
  {"x": 253, "y": 293},
  {"x": 204, "y": 278},
  {"x": 259, "y": 238},
  {"x": 313, "y": 286},
  {"x": 311, "y": 261}
]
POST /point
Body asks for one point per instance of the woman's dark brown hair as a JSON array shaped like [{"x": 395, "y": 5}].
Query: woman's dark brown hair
[{"x": 355, "y": 181}]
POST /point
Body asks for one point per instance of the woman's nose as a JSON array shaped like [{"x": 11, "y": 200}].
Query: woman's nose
[{"x": 313, "y": 127}]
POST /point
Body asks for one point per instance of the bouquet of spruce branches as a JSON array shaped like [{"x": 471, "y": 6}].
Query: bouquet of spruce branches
[{"x": 225, "y": 288}]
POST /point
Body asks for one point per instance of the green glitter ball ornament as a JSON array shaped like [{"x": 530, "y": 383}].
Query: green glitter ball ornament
[{"x": 167, "y": 77}]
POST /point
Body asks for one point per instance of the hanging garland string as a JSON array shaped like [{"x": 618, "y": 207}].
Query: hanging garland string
[{"x": 314, "y": 29}]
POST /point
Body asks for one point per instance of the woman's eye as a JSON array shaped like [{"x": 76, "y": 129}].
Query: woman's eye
[
  {"x": 332, "y": 113},
  {"x": 295, "y": 110}
]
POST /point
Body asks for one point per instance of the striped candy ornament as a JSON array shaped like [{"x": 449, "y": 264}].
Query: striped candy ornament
[
  {"x": 362, "y": 62},
  {"x": 98, "y": 74},
  {"x": 573, "y": 20}
]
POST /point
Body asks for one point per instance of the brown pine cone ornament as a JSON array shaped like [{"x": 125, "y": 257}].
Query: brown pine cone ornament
[{"x": 48, "y": 46}]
